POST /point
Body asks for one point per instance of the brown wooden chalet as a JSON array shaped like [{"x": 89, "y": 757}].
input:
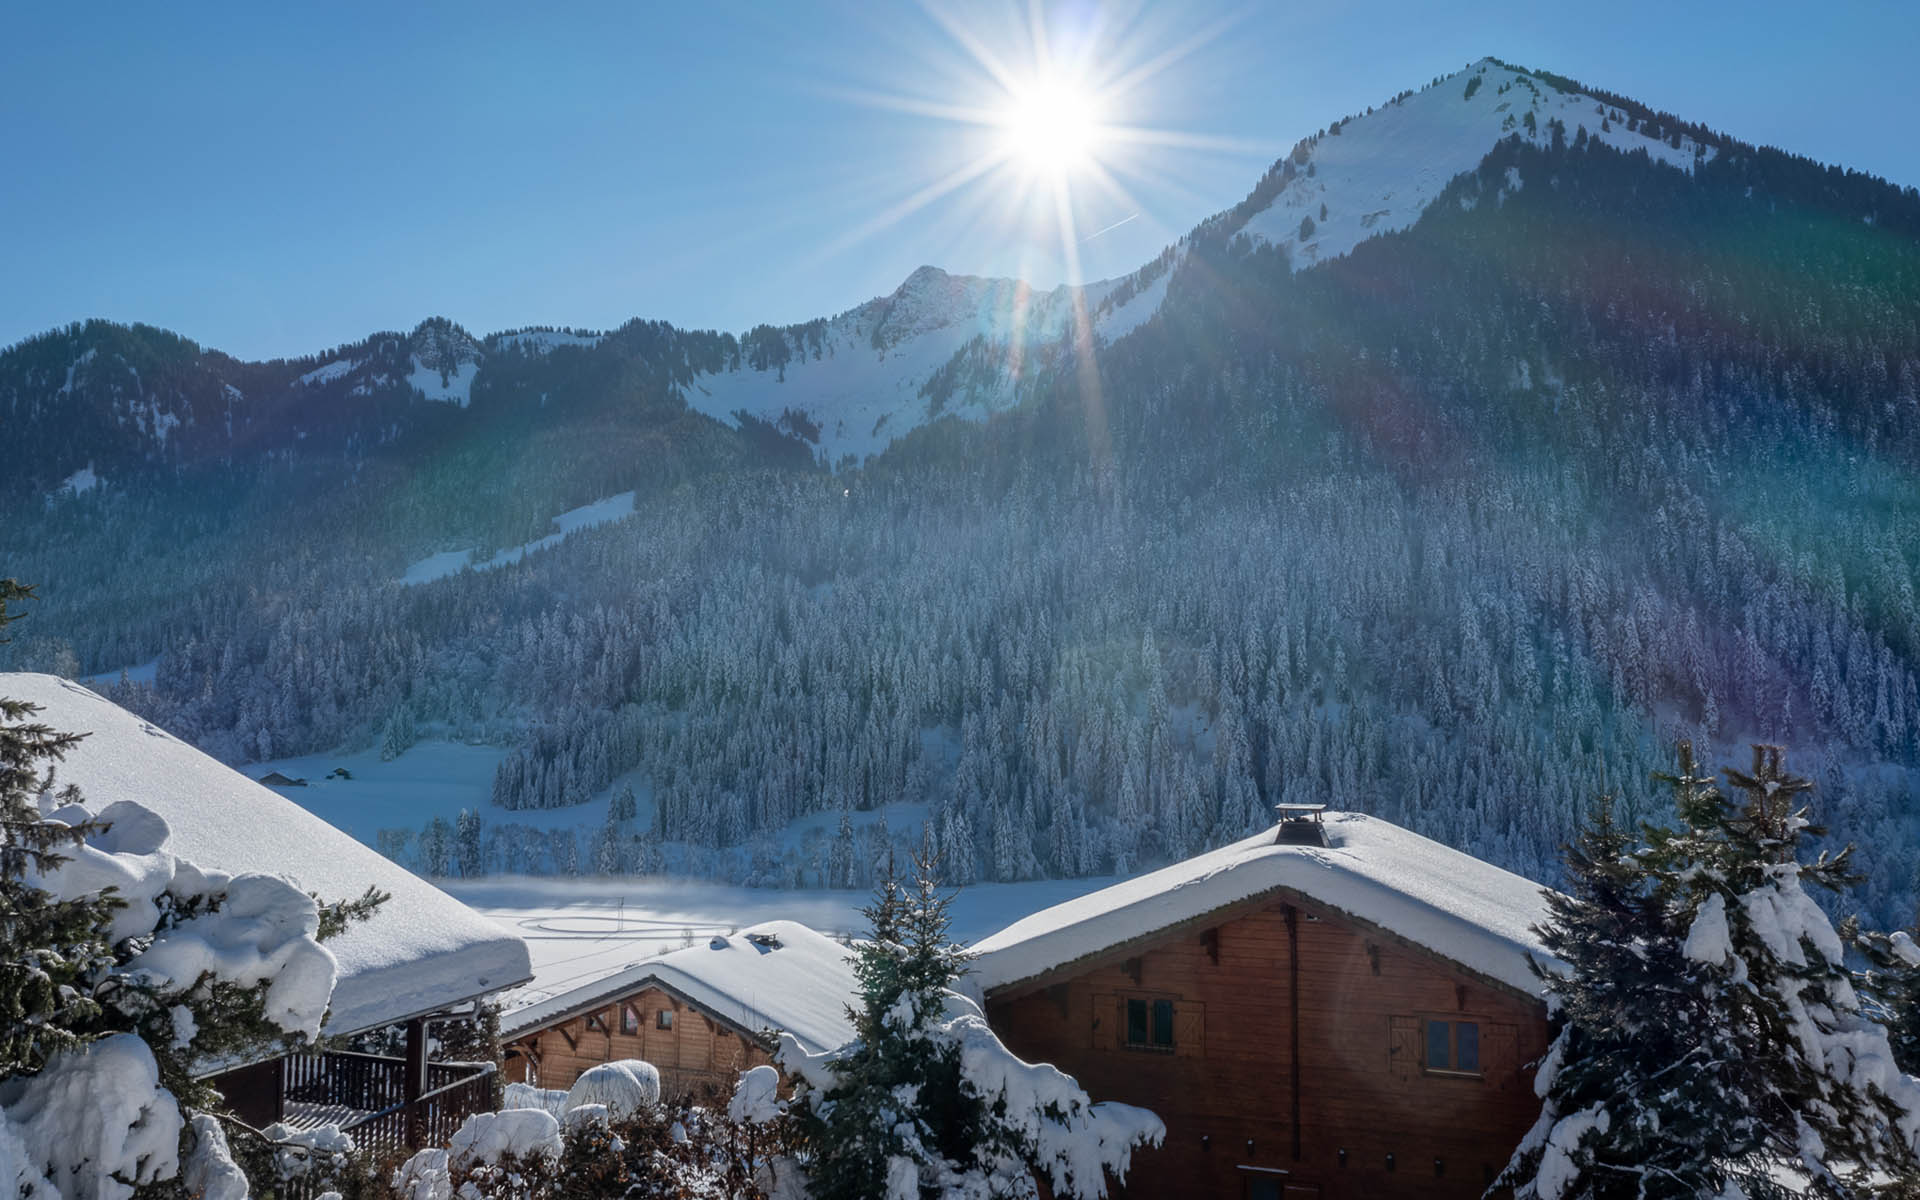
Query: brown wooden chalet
[
  {"x": 700, "y": 1014},
  {"x": 421, "y": 956},
  {"x": 1335, "y": 1008}
]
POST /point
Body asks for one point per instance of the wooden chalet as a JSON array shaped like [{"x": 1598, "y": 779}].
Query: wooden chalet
[
  {"x": 699, "y": 1014},
  {"x": 1334, "y": 1008},
  {"x": 421, "y": 957}
]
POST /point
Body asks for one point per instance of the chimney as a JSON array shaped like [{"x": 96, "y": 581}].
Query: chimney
[{"x": 1300, "y": 825}]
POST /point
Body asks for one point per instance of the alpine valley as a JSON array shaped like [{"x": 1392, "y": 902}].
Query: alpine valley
[{"x": 1503, "y": 435}]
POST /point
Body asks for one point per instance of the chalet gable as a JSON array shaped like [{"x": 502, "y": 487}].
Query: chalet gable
[{"x": 1370, "y": 872}]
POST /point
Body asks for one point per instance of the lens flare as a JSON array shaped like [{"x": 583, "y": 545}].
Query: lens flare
[{"x": 1052, "y": 128}]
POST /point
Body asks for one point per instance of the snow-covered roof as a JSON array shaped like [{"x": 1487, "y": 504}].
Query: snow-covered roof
[
  {"x": 1462, "y": 909},
  {"x": 776, "y": 975},
  {"x": 421, "y": 951}
]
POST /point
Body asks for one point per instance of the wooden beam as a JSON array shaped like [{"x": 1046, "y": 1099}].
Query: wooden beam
[{"x": 415, "y": 1082}]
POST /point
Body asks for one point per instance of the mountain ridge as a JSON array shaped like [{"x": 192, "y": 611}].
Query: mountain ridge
[{"x": 940, "y": 344}]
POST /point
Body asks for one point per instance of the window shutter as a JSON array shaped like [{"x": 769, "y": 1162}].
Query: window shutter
[
  {"x": 1403, "y": 1047},
  {"x": 1109, "y": 1017},
  {"x": 1500, "y": 1047},
  {"x": 1189, "y": 1029}
]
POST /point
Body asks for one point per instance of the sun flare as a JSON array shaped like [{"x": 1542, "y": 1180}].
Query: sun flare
[{"x": 1052, "y": 127}]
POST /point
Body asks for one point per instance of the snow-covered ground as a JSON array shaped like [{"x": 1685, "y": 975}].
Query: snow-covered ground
[
  {"x": 544, "y": 341},
  {"x": 455, "y": 388},
  {"x": 138, "y": 673},
  {"x": 437, "y": 566},
  {"x": 433, "y": 779},
  {"x": 580, "y": 929}
]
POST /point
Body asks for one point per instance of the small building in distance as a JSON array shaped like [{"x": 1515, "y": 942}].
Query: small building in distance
[
  {"x": 698, "y": 1014},
  {"x": 1336, "y": 1007},
  {"x": 422, "y": 956}
]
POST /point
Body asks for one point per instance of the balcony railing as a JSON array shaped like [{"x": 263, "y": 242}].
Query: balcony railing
[{"x": 366, "y": 1096}]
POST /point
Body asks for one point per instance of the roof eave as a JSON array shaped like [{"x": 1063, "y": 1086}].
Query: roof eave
[{"x": 1279, "y": 893}]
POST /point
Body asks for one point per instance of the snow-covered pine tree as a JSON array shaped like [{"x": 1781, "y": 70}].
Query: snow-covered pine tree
[
  {"x": 926, "y": 1102},
  {"x": 52, "y": 944},
  {"x": 1891, "y": 982},
  {"x": 1708, "y": 1032},
  {"x": 113, "y": 1005}
]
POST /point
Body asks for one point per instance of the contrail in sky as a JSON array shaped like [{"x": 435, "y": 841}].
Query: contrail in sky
[{"x": 1109, "y": 229}]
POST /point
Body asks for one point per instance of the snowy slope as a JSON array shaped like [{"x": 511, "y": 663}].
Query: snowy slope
[
  {"x": 1379, "y": 172},
  {"x": 1466, "y": 910},
  {"x": 543, "y": 341},
  {"x": 860, "y": 383},
  {"x": 423, "y": 949}
]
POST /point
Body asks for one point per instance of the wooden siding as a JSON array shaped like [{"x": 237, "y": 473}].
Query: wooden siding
[
  {"x": 1227, "y": 1087},
  {"x": 699, "y": 1056}
]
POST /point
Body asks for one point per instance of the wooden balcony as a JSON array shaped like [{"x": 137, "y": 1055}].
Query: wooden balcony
[
  {"x": 366, "y": 1095},
  {"x": 388, "y": 1105}
]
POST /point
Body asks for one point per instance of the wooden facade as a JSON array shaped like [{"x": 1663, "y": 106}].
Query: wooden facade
[
  {"x": 696, "y": 1052},
  {"x": 1286, "y": 1047}
]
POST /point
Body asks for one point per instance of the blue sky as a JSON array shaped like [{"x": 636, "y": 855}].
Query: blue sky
[{"x": 277, "y": 179}]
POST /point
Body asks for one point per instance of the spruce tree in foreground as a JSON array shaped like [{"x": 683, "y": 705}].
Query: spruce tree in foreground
[
  {"x": 1891, "y": 982},
  {"x": 1708, "y": 1032},
  {"x": 926, "y": 1102},
  {"x": 52, "y": 945},
  {"x": 113, "y": 1013}
]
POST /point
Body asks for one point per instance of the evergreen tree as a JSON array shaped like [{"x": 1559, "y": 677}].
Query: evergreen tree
[
  {"x": 52, "y": 945},
  {"x": 78, "y": 978},
  {"x": 1707, "y": 1030},
  {"x": 1891, "y": 981},
  {"x": 900, "y": 1113}
]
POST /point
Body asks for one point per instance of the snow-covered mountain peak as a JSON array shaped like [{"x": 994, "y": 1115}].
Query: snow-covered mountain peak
[
  {"x": 445, "y": 360},
  {"x": 932, "y": 299},
  {"x": 1376, "y": 173}
]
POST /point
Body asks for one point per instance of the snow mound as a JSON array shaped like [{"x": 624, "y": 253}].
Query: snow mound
[
  {"x": 210, "y": 1172},
  {"x": 264, "y": 931},
  {"x": 95, "y": 1119},
  {"x": 525, "y": 1095},
  {"x": 756, "y": 1098},
  {"x": 1462, "y": 909},
  {"x": 625, "y": 1088},
  {"x": 490, "y": 1137}
]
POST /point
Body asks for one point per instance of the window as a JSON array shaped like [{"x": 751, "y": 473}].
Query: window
[
  {"x": 663, "y": 1019},
  {"x": 1149, "y": 1024},
  {"x": 629, "y": 1019},
  {"x": 1453, "y": 1046},
  {"x": 597, "y": 1022}
]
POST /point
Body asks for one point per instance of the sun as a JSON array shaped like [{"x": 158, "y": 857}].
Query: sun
[{"x": 1051, "y": 127}]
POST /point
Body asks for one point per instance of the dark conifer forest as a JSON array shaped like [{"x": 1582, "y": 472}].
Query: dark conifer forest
[{"x": 1463, "y": 529}]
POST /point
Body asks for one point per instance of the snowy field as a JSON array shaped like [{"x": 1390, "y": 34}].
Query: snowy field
[
  {"x": 432, "y": 779},
  {"x": 581, "y": 929},
  {"x": 139, "y": 673}
]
